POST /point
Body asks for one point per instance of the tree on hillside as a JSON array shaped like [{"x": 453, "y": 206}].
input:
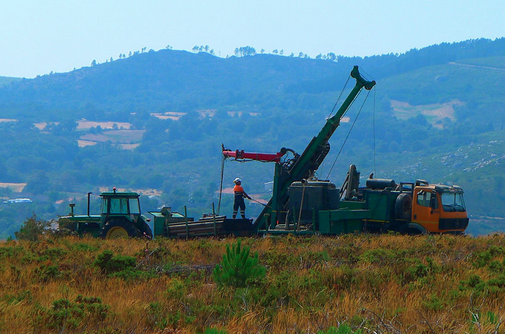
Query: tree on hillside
[
  {"x": 331, "y": 56},
  {"x": 245, "y": 51}
]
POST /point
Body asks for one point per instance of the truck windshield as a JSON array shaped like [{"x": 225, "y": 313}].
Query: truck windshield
[{"x": 452, "y": 201}]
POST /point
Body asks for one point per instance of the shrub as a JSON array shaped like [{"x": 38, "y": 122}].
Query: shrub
[
  {"x": 33, "y": 229},
  {"x": 65, "y": 313},
  {"x": 237, "y": 268},
  {"x": 156, "y": 315},
  {"x": 113, "y": 264},
  {"x": 215, "y": 331},
  {"x": 47, "y": 272},
  {"x": 342, "y": 329}
]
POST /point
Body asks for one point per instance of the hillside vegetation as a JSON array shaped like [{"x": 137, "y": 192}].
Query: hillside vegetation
[
  {"x": 346, "y": 284},
  {"x": 155, "y": 121},
  {"x": 7, "y": 80}
]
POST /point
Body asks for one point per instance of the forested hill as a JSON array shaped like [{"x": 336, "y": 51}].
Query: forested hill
[
  {"x": 154, "y": 123},
  {"x": 184, "y": 81},
  {"x": 166, "y": 80}
]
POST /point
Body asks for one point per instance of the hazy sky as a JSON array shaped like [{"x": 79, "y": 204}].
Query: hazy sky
[{"x": 40, "y": 36}]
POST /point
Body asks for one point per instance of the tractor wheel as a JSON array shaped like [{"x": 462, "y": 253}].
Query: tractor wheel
[
  {"x": 146, "y": 231},
  {"x": 403, "y": 206},
  {"x": 117, "y": 229}
]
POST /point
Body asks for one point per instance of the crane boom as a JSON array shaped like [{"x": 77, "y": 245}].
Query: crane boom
[
  {"x": 309, "y": 161},
  {"x": 240, "y": 155}
]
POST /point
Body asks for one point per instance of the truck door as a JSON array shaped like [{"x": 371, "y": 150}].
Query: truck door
[{"x": 425, "y": 209}]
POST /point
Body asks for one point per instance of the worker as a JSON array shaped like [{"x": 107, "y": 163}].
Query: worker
[{"x": 239, "y": 198}]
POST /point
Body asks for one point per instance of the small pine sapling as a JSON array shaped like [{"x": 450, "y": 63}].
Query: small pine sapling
[{"x": 238, "y": 269}]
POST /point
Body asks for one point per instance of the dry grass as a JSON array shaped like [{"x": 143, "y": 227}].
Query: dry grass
[{"x": 378, "y": 284}]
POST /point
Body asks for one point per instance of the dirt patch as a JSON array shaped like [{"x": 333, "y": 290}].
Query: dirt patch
[
  {"x": 84, "y": 124},
  {"x": 16, "y": 187},
  {"x": 84, "y": 143},
  {"x": 125, "y": 139},
  {"x": 115, "y": 136},
  {"x": 240, "y": 113},
  {"x": 7, "y": 120},
  {"x": 206, "y": 113},
  {"x": 234, "y": 113},
  {"x": 91, "y": 137},
  {"x": 434, "y": 113},
  {"x": 128, "y": 146},
  {"x": 173, "y": 115}
]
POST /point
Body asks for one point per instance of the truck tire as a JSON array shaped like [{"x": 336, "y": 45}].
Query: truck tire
[
  {"x": 415, "y": 229},
  {"x": 118, "y": 228},
  {"x": 403, "y": 207}
]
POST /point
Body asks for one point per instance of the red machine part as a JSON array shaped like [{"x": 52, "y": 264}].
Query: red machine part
[{"x": 265, "y": 157}]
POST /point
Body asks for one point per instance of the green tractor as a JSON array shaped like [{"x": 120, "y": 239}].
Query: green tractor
[{"x": 120, "y": 217}]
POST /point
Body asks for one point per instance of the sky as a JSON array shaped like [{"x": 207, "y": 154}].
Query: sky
[{"x": 42, "y": 36}]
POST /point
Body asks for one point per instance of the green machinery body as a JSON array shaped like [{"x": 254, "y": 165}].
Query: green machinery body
[
  {"x": 302, "y": 204},
  {"x": 303, "y": 166},
  {"x": 121, "y": 217}
]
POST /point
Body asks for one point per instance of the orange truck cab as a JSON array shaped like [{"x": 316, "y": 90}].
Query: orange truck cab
[{"x": 438, "y": 208}]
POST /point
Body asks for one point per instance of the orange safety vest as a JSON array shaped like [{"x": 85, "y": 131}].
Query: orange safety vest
[{"x": 238, "y": 190}]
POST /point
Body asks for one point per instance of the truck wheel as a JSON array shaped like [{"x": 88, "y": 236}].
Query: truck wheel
[
  {"x": 403, "y": 206},
  {"x": 118, "y": 228},
  {"x": 416, "y": 229}
]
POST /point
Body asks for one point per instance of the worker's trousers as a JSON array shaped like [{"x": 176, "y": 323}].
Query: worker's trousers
[{"x": 239, "y": 203}]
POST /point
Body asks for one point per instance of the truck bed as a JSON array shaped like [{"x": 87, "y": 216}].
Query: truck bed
[{"x": 209, "y": 227}]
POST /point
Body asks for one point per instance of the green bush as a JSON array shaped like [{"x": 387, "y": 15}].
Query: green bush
[
  {"x": 47, "y": 272},
  {"x": 109, "y": 263},
  {"x": 122, "y": 266},
  {"x": 238, "y": 269},
  {"x": 33, "y": 229},
  {"x": 342, "y": 329},
  {"x": 65, "y": 313},
  {"x": 215, "y": 331}
]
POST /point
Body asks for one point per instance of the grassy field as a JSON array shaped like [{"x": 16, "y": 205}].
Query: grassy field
[{"x": 345, "y": 284}]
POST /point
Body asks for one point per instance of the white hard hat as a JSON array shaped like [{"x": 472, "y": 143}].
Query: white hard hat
[{"x": 237, "y": 180}]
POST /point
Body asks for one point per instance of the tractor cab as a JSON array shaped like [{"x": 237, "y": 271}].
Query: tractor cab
[
  {"x": 121, "y": 216},
  {"x": 116, "y": 204}
]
